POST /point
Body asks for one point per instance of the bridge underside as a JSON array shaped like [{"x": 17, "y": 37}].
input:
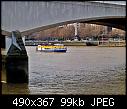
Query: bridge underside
[
  {"x": 30, "y": 17},
  {"x": 119, "y": 23},
  {"x": 113, "y": 22}
]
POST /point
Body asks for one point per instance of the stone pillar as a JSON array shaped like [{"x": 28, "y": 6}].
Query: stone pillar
[
  {"x": 108, "y": 29},
  {"x": 76, "y": 25},
  {"x": 2, "y": 56},
  {"x": 3, "y": 41},
  {"x": 76, "y": 29},
  {"x": 17, "y": 60}
]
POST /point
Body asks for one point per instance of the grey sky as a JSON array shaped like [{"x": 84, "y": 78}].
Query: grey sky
[{"x": 113, "y": 2}]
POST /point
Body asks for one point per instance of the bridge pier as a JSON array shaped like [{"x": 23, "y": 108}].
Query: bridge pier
[
  {"x": 108, "y": 29},
  {"x": 16, "y": 63}
]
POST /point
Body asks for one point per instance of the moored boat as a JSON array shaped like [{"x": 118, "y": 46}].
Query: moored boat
[
  {"x": 92, "y": 43},
  {"x": 52, "y": 48}
]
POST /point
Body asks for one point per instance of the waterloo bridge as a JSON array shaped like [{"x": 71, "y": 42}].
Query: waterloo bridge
[{"x": 29, "y": 17}]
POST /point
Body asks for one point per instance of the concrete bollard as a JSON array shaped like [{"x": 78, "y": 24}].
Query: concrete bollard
[{"x": 16, "y": 63}]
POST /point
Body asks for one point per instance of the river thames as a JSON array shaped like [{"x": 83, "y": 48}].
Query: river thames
[{"x": 81, "y": 70}]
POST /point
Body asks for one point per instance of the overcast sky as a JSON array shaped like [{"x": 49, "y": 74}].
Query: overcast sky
[{"x": 114, "y": 2}]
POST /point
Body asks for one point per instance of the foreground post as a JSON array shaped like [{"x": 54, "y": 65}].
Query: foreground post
[{"x": 17, "y": 60}]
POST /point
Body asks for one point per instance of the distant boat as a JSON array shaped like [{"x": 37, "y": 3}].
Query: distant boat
[
  {"x": 52, "y": 48},
  {"x": 92, "y": 42}
]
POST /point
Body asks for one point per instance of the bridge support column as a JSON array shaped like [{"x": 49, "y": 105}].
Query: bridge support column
[
  {"x": 108, "y": 30},
  {"x": 76, "y": 29},
  {"x": 2, "y": 41},
  {"x": 16, "y": 64}
]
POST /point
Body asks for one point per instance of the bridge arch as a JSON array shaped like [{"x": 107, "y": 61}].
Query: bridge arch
[
  {"x": 113, "y": 21},
  {"x": 28, "y": 16}
]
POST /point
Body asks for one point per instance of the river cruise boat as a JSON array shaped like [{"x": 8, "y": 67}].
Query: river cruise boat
[{"x": 52, "y": 48}]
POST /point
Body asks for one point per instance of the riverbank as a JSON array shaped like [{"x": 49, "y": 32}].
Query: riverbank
[
  {"x": 112, "y": 45},
  {"x": 78, "y": 43}
]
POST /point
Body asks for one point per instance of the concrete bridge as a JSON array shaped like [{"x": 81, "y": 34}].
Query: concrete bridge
[{"x": 29, "y": 17}]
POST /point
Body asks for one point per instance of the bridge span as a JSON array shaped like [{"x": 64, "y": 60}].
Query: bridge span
[{"x": 28, "y": 17}]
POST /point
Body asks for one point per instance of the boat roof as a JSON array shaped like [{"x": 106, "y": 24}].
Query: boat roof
[{"x": 59, "y": 44}]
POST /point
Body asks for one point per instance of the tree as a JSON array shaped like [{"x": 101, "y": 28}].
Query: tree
[{"x": 68, "y": 32}]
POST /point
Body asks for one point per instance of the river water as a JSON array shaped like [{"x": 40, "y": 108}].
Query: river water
[{"x": 81, "y": 70}]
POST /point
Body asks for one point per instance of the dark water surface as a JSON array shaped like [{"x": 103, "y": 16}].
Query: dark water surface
[{"x": 81, "y": 70}]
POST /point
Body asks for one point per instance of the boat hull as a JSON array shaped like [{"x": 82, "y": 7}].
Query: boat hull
[
  {"x": 60, "y": 50},
  {"x": 92, "y": 43},
  {"x": 53, "y": 50}
]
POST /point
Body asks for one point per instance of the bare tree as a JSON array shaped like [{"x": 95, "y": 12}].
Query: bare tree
[{"x": 84, "y": 30}]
